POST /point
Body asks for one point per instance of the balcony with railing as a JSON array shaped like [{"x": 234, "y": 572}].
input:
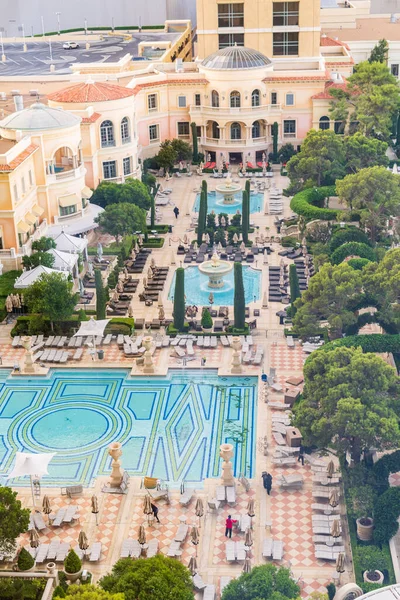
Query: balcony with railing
[
  {"x": 253, "y": 111},
  {"x": 209, "y": 141}
]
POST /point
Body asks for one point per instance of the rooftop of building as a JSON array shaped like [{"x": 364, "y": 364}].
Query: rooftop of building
[
  {"x": 368, "y": 30},
  {"x": 39, "y": 117},
  {"x": 90, "y": 92},
  {"x": 234, "y": 58}
]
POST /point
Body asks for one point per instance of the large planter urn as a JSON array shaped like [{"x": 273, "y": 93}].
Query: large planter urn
[
  {"x": 373, "y": 577},
  {"x": 365, "y": 528},
  {"x": 73, "y": 576}
]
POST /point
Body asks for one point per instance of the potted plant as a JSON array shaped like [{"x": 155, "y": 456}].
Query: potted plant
[
  {"x": 25, "y": 561},
  {"x": 72, "y": 566},
  {"x": 362, "y": 505},
  {"x": 206, "y": 321},
  {"x": 372, "y": 562}
]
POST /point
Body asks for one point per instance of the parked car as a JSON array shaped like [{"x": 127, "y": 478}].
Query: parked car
[{"x": 70, "y": 45}]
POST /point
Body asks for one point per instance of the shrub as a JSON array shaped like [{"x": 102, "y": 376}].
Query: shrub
[
  {"x": 36, "y": 325},
  {"x": 362, "y": 501},
  {"x": 386, "y": 513},
  {"x": 288, "y": 242},
  {"x": 58, "y": 592},
  {"x": 369, "y": 587},
  {"x": 371, "y": 558},
  {"x": 304, "y": 202},
  {"x": 331, "y": 589},
  {"x": 358, "y": 263},
  {"x": 25, "y": 560},
  {"x": 72, "y": 564},
  {"x": 121, "y": 325},
  {"x": 352, "y": 248},
  {"x": 206, "y": 320},
  {"x": 348, "y": 234}
]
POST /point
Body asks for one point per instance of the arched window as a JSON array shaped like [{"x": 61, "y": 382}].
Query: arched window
[
  {"x": 256, "y": 130},
  {"x": 215, "y": 130},
  {"x": 255, "y": 98},
  {"x": 236, "y": 131},
  {"x": 324, "y": 123},
  {"x": 215, "y": 99},
  {"x": 107, "y": 134},
  {"x": 235, "y": 99},
  {"x": 125, "y": 133}
]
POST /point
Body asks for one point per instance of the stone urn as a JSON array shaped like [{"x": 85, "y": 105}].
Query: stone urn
[
  {"x": 373, "y": 577},
  {"x": 148, "y": 360},
  {"x": 365, "y": 528},
  {"x": 51, "y": 568},
  {"x": 114, "y": 450},
  {"x": 236, "y": 366},
  {"x": 226, "y": 453}
]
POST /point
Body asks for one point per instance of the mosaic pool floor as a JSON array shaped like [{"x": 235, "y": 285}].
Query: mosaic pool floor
[{"x": 170, "y": 428}]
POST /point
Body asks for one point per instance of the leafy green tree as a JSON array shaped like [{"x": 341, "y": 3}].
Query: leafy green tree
[
  {"x": 158, "y": 578},
  {"x": 132, "y": 191},
  {"x": 38, "y": 258},
  {"x": 238, "y": 299},
  {"x": 352, "y": 249},
  {"x": 100, "y": 295},
  {"x": 13, "y": 588},
  {"x": 375, "y": 192},
  {"x": 320, "y": 160},
  {"x": 329, "y": 294},
  {"x": 195, "y": 142},
  {"x": 266, "y": 582},
  {"x": 362, "y": 152},
  {"x": 245, "y": 216},
  {"x": 382, "y": 282},
  {"x": 369, "y": 100},
  {"x": 294, "y": 287},
  {"x": 14, "y": 520},
  {"x": 179, "y": 299},
  {"x": 349, "y": 402},
  {"x": 347, "y": 234},
  {"x": 286, "y": 152},
  {"x": 122, "y": 219},
  {"x": 90, "y": 592},
  {"x": 167, "y": 155},
  {"x": 182, "y": 149},
  {"x": 51, "y": 296},
  {"x": 43, "y": 244},
  {"x": 379, "y": 53}
]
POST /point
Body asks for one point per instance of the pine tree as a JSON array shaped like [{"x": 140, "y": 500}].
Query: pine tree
[
  {"x": 245, "y": 216},
  {"x": 179, "y": 299},
  {"x": 294, "y": 287},
  {"x": 239, "y": 301},
  {"x": 100, "y": 295}
]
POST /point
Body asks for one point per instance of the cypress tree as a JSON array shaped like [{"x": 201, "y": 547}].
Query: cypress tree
[
  {"x": 245, "y": 216},
  {"x": 201, "y": 223},
  {"x": 247, "y": 186},
  {"x": 195, "y": 142},
  {"x": 238, "y": 300},
  {"x": 294, "y": 287},
  {"x": 179, "y": 299},
  {"x": 100, "y": 295},
  {"x": 275, "y": 129},
  {"x": 205, "y": 189},
  {"x": 152, "y": 211}
]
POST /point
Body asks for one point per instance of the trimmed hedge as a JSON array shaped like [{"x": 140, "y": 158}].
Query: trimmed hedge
[
  {"x": 372, "y": 342},
  {"x": 306, "y": 202},
  {"x": 68, "y": 327},
  {"x": 153, "y": 243},
  {"x": 352, "y": 248},
  {"x": 348, "y": 234},
  {"x": 120, "y": 325}
]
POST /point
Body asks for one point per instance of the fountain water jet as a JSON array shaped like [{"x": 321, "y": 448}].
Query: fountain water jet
[
  {"x": 228, "y": 189},
  {"x": 215, "y": 269}
]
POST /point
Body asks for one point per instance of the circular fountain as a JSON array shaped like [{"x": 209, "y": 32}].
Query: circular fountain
[
  {"x": 215, "y": 269},
  {"x": 228, "y": 189}
]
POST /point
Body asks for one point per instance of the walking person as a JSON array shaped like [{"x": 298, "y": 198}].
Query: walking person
[
  {"x": 267, "y": 481},
  {"x": 301, "y": 455},
  {"x": 228, "y": 526},
  {"x": 154, "y": 508},
  {"x": 176, "y": 211}
]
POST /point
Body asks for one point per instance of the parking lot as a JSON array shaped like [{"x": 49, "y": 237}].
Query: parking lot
[{"x": 39, "y": 56}]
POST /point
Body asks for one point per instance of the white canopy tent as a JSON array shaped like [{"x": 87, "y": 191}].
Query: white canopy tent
[
  {"x": 65, "y": 261},
  {"x": 92, "y": 328},
  {"x": 32, "y": 465},
  {"x": 27, "y": 278},
  {"x": 70, "y": 243}
]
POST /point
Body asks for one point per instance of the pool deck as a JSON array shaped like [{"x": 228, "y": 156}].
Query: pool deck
[{"x": 289, "y": 512}]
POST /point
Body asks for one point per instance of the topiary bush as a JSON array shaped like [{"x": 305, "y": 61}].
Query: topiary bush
[
  {"x": 358, "y": 263},
  {"x": 352, "y": 248},
  {"x": 72, "y": 564},
  {"x": 206, "y": 320},
  {"x": 348, "y": 234},
  {"x": 306, "y": 203},
  {"x": 25, "y": 560}
]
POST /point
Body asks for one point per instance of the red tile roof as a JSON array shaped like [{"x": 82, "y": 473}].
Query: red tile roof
[
  {"x": 325, "y": 94},
  {"x": 328, "y": 41},
  {"x": 297, "y": 78},
  {"x": 19, "y": 159},
  {"x": 92, "y": 119},
  {"x": 151, "y": 84},
  {"x": 91, "y": 92}
]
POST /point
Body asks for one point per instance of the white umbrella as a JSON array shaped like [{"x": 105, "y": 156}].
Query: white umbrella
[
  {"x": 219, "y": 247},
  {"x": 223, "y": 221},
  {"x": 92, "y": 328},
  {"x": 90, "y": 269},
  {"x": 207, "y": 238},
  {"x": 152, "y": 262},
  {"x": 185, "y": 239},
  {"x": 100, "y": 251},
  {"x": 31, "y": 465},
  {"x": 193, "y": 565},
  {"x": 81, "y": 287},
  {"x": 195, "y": 246},
  {"x": 246, "y": 565},
  {"x": 211, "y": 298},
  {"x": 150, "y": 273},
  {"x": 242, "y": 247},
  {"x": 235, "y": 238},
  {"x": 394, "y": 170},
  {"x": 34, "y": 538}
]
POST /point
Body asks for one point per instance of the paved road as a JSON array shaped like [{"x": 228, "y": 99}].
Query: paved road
[{"x": 37, "y": 59}]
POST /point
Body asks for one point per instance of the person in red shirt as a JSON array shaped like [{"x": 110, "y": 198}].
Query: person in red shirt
[{"x": 228, "y": 526}]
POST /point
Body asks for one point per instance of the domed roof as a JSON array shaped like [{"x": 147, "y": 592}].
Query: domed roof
[
  {"x": 91, "y": 91},
  {"x": 236, "y": 57},
  {"x": 39, "y": 117}
]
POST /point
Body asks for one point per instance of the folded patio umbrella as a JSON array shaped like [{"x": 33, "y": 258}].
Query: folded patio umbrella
[
  {"x": 83, "y": 542},
  {"x": 335, "y": 529},
  {"x": 34, "y": 538},
  {"x": 334, "y": 498},
  {"x": 248, "y": 538},
  {"x": 211, "y": 298},
  {"x": 194, "y": 536},
  {"x": 192, "y": 566},
  {"x": 95, "y": 506},
  {"x": 46, "y": 505},
  {"x": 250, "y": 507},
  {"x": 141, "y": 535},
  {"x": 330, "y": 469},
  {"x": 199, "y": 509},
  {"x": 246, "y": 566},
  {"x": 340, "y": 563}
]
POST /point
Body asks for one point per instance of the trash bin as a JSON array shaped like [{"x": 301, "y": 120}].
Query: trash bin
[{"x": 100, "y": 354}]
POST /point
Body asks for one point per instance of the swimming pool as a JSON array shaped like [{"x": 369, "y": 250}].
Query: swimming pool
[
  {"x": 170, "y": 427},
  {"x": 215, "y": 203},
  {"x": 197, "y": 290}
]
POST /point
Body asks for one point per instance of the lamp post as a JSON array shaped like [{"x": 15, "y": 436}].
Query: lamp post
[
  {"x": 24, "y": 47},
  {"x": 42, "y": 19},
  {"x": 3, "y": 56},
  {"x": 85, "y": 25},
  {"x": 51, "y": 56},
  {"x": 58, "y": 23}
]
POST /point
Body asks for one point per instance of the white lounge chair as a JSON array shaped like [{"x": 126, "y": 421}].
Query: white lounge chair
[
  {"x": 230, "y": 495},
  {"x": 209, "y": 592},
  {"x": 95, "y": 552},
  {"x": 286, "y": 481},
  {"x": 41, "y": 555},
  {"x": 182, "y": 532},
  {"x": 198, "y": 583},
  {"x": 220, "y": 493},
  {"x": 152, "y": 548},
  {"x": 267, "y": 548},
  {"x": 230, "y": 551},
  {"x": 277, "y": 550},
  {"x": 327, "y": 509},
  {"x": 186, "y": 497}
]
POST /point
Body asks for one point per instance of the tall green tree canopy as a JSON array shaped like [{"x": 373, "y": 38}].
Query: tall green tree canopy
[
  {"x": 382, "y": 282},
  {"x": 38, "y": 258},
  {"x": 51, "y": 296},
  {"x": 320, "y": 160},
  {"x": 379, "y": 52},
  {"x": 90, "y": 592},
  {"x": 266, "y": 582},
  {"x": 362, "y": 152},
  {"x": 349, "y": 401},
  {"x": 132, "y": 191},
  {"x": 327, "y": 298},
  {"x": 122, "y": 219},
  {"x": 14, "y": 519},
  {"x": 158, "y": 578},
  {"x": 42, "y": 244},
  {"x": 375, "y": 191},
  {"x": 183, "y": 149}
]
